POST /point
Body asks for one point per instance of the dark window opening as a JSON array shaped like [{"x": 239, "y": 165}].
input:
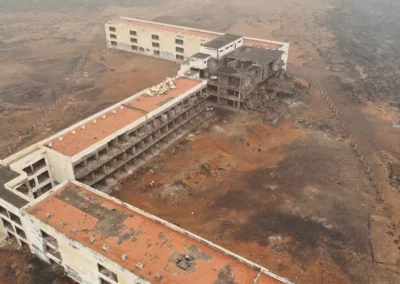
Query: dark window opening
[
  {"x": 134, "y": 47},
  {"x": 53, "y": 252},
  {"x": 23, "y": 189},
  {"x": 20, "y": 233},
  {"x": 28, "y": 170},
  {"x": 113, "y": 36},
  {"x": 133, "y": 33},
  {"x": 49, "y": 239},
  {"x": 37, "y": 193},
  {"x": 3, "y": 211},
  {"x": 179, "y": 49},
  {"x": 15, "y": 218},
  {"x": 39, "y": 165},
  {"x": 32, "y": 183},
  {"x": 141, "y": 49},
  {"x": 179, "y": 41},
  {"x": 43, "y": 177},
  {"x": 7, "y": 225},
  {"x": 102, "y": 281},
  {"x": 157, "y": 52},
  {"x": 46, "y": 188},
  {"x": 155, "y": 44},
  {"x": 112, "y": 29},
  {"x": 156, "y": 37},
  {"x": 108, "y": 273},
  {"x": 134, "y": 40},
  {"x": 114, "y": 43}
]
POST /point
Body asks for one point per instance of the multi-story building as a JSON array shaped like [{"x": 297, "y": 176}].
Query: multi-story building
[
  {"x": 177, "y": 43},
  {"x": 54, "y": 194},
  {"x": 118, "y": 243},
  {"x": 234, "y": 66}
]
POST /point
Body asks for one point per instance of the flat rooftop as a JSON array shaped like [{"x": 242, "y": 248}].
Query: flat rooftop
[
  {"x": 165, "y": 28},
  {"x": 6, "y": 175},
  {"x": 186, "y": 31},
  {"x": 261, "y": 43},
  {"x": 200, "y": 55},
  {"x": 222, "y": 41},
  {"x": 161, "y": 250},
  {"x": 87, "y": 134},
  {"x": 255, "y": 54}
]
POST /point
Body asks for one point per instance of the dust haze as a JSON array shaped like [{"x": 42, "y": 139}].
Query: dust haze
[{"x": 294, "y": 198}]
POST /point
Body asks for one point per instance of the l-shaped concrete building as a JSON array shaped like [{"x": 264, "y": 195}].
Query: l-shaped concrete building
[{"x": 53, "y": 194}]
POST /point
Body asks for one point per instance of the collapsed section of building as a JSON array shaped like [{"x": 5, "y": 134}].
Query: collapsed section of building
[{"x": 54, "y": 194}]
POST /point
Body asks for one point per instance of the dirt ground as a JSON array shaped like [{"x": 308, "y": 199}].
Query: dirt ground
[
  {"x": 18, "y": 265},
  {"x": 105, "y": 78},
  {"x": 294, "y": 197}
]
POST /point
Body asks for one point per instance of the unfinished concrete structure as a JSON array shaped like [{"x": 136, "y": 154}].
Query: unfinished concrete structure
[
  {"x": 239, "y": 73},
  {"x": 233, "y": 65},
  {"x": 53, "y": 194}
]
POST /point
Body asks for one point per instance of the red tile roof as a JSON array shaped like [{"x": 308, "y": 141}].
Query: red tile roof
[
  {"x": 160, "y": 249},
  {"x": 72, "y": 144}
]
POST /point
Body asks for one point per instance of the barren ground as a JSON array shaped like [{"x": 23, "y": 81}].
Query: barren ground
[{"x": 293, "y": 198}]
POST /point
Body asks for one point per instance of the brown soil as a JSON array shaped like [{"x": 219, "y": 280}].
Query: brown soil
[
  {"x": 105, "y": 78},
  {"x": 293, "y": 198},
  {"x": 19, "y": 266}
]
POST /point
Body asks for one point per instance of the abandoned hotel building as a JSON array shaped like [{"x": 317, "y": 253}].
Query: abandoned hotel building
[{"x": 54, "y": 194}]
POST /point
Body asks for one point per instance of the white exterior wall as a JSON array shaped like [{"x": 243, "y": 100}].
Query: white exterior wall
[
  {"x": 25, "y": 162},
  {"x": 136, "y": 123},
  {"x": 86, "y": 263},
  {"x": 191, "y": 44},
  {"x": 198, "y": 63},
  {"x": 10, "y": 208},
  {"x": 230, "y": 47},
  {"x": 60, "y": 165},
  {"x": 79, "y": 261},
  {"x": 210, "y": 51}
]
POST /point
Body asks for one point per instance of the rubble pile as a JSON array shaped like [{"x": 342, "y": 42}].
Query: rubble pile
[{"x": 276, "y": 96}]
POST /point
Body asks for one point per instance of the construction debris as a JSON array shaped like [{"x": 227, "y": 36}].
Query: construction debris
[
  {"x": 161, "y": 88},
  {"x": 276, "y": 96}
]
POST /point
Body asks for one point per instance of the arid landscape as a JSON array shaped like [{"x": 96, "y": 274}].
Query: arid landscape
[{"x": 294, "y": 197}]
